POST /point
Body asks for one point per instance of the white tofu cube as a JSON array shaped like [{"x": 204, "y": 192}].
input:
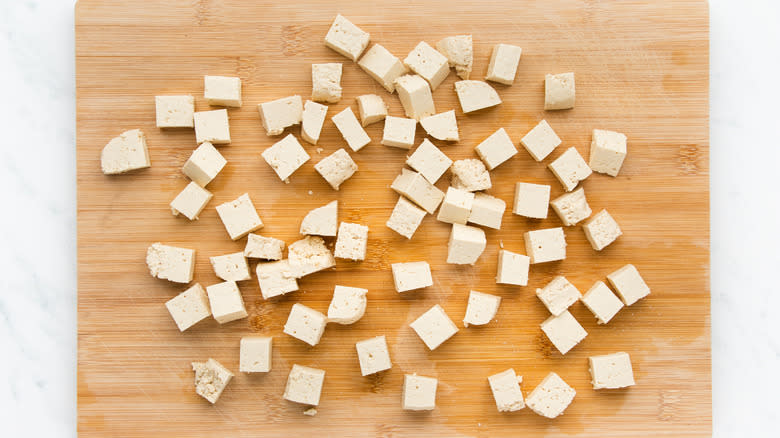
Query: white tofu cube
[
  {"x": 551, "y": 397},
  {"x": 222, "y": 91},
  {"x": 434, "y": 327},
  {"x": 430, "y": 161},
  {"x": 285, "y": 156},
  {"x": 487, "y": 211},
  {"x": 506, "y": 390},
  {"x": 611, "y": 371},
  {"x": 399, "y": 132},
  {"x": 602, "y": 302},
  {"x": 540, "y": 141},
  {"x": 405, "y": 218},
  {"x": 563, "y": 331},
  {"x": 476, "y": 95},
  {"x": 559, "y": 91},
  {"x": 262, "y": 247},
  {"x": 279, "y": 114},
  {"x": 372, "y": 109},
  {"x": 346, "y": 38},
  {"x": 226, "y": 302},
  {"x": 570, "y": 169},
  {"x": 558, "y": 295},
  {"x": 255, "y": 354},
  {"x": 531, "y": 200},
  {"x": 459, "y": 50},
  {"x": 212, "y": 126},
  {"x": 442, "y": 126},
  {"x": 348, "y": 305},
  {"x": 415, "y": 187},
  {"x": 411, "y": 275},
  {"x": 322, "y": 221},
  {"x": 124, "y": 153},
  {"x": 607, "y": 151},
  {"x": 572, "y": 207},
  {"x": 415, "y": 95},
  {"x": 503, "y": 64},
  {"x": 352, "y": 241},
  {"x": 428, "y": 63},
  {"x": 191, "y": 201},
  {"x": 496, "y": 149},
  {"x": 276, "y": 278},
  {"x": 629, "y": 285},
  {"x": 204, "y": 164},
  {"x": 326, "y": 82},
  {"x": 309, "y": 255},
  {"x": 601, "y": 230},
  {"x": 304, "y": 385},
  {"x": 419, "y": 393},
  {"x": 349, "y": 127},
  {"x": 305, "y": 324},
  {"x": 512, "y": 268},
  {"x": 466, "y": 244},
  {"x": 170, "y": 263},
  {"x": 312, "y": 119},
  {"x": 373, "y": 355},
  {"x": 231, "y": 267},
  {"x": 481, "y": 308},
  {"x": 547, "y": 245},
  {"x": 470, "y": 174},
  {"x": 189, "y": 307},
  {"x": 456, "y": 206},
  {"x": 211, "y": 379},
  {"x": 239, "y": 217},
  {"x": 336, "y": 168},
  {"x": 383, "y": 66},
  {"x": 175, "y": 111}
]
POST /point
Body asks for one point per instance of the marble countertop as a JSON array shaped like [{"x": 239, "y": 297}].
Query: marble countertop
[{"x": 38, "y": 237}]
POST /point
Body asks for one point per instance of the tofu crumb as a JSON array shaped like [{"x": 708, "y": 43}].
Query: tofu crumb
[{"x": 310, "y": 412}]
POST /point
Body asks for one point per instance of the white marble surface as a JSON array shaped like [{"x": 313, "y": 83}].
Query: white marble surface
[{"x": 38, "y": 233}]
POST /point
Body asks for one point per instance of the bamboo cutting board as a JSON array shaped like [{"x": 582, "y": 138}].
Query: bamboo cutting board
[{"x": 641, "y": 68}]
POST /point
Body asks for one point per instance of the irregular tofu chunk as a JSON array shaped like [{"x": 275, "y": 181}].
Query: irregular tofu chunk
[
  {"x": 231, "y": 267},
  {"x": 170, "y": 263},
  {"x": 442, "y": 126},
  {"x": 572, "y": 207},
  {"x": 262, "y": 247},
  {"x": 211, "y": 379},
  {"x": 276, "y": 278},
  {"x": 326, "y": 82},
  {"x": 279, "y": 114},
  {"x": 313, "y": 118},
  {"x": 470, "y": 174},
  {"x": 124, "y": 153},
  {"x": 476, "y": 95},
  {"x": 309, "y": 255},
  {"x": 348, "y": 305},
  {"x": 459, "y": 51},
  {"x": 481, "y": 309},
  {"x": 322, "y": 221}
]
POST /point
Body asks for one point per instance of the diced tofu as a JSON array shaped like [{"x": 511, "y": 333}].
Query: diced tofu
[
  {"x": 630, "y": 286},
  {"x": 261, "y": 247},
  {"x": 372, "y": 109},
  {"x": 226, "y": 302},
  {"x": 601, "y": 230},
  {"x": 351, "y": 242},
  {"x": 373, "y": 355},
  {"x": 309, "y": 255},
  {"x": 503, "y": 64},
  {"x": 405, "y": 218},
  {"x": 326, "y": 82},
  {"x": 487, "y": 211},
  {"x": 476, "y": 95},
  {"x": 611, "y": 371},
  {"x": 399, "y": 132},
  {"x": 204, "y": 164},
  {"x": 170, "y": 263},
  {"x": 415, "y": 95},
  {"x": 191, "y": 201},
  {"x": 496, "y": 149},
  {"x": 286, "y": 156},
  {"x": 304, "y": 385},
  {"x": 411, "y": 275},
  {"x": 124, "y": 153},
  {"x": 547, "y": 245},
  {"x": 279, "y": 114},
  {"x": 558, "y": 295},
  {"x": 607, "y": 152},
  {"x": 175, "y": 111},
  {"x": 572, "y": 207},
  {"x": 428, "y": 63},
  {"x": 231, "y": 267},
  {"x": 239, "y": 217},
  {"x": 481, "y": 309},
  {"x": 456, "y": 206},
  {"x": 212, "y": 126},
  {"x": 348, "y": 305},
  {"x": 276, "y": 278},
  {"x": 322, "y": 221},
  {"x": 336, "y": 168},
  {"x": 349, "y": 127},
  {"x": 222, "y": 90},
  {"x": 466, "y": 244},
  {"x": 506, "y": 391},
  {"x": 563, "y": 331},
  {"x": 313, "y": 118},
  {"x": 255, "y": 354},
  {"x": 415, "y": 187},
  {"x": 189, "y": 307},
  {"x": 531, "y": 200},
  {"x": 602, "y": 302},
  {"x": 551, "y": 397},
  {"x": 383, "y": 66},
  {"x": 512, "y": 268},
  {"x": 211, "y": 378},
  {"x": 434, "y": 327},
  {"x": 430, "y": 161},
  {"x": 442, "y": 126},
  {"x": 459, "y": 51},
  {"x": 540, "y": 141},
  {"x": 346, "y": 38},
  {"x": 419, "y": 393},
  {"x": 470, "y": 174},
  {"x": 305, "y": 324},
  {"x": 570, "y": 169},
  {"x": 559, "y": 91}
]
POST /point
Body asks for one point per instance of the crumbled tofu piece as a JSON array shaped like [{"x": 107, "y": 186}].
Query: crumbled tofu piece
[
  {"x": 305, "y": 324},
  {"x": 204, "y": 164},
  {"x": 428, "y": 63},
  {"x": 430, "y": 161},
  {"x": 602, "y": 302},
  {"x": 372, "y": 109},
  {"x": 239, "y": 217},
  {"x": 419, "y": 393},
  {"x": 175, "y": 111},
  {"x": 611, "y": 371},
  {"x": 346, "y": 38},
  {"x": 285, "y": 156},
  {"x": 476, "y": 95},
  {"x": 276, "y": 278},
  {"x": 496, "y": 149},
  {"x": 442, "y": 126},
  {"x": 349, "y": 127},
  {"x": 415, "y": 95},
  {"x": 405, "y": 218},
  {"x": 373, "y": 355},
  {"x": 512, "y": 268},
  {"x": 383, "y": 66},
  {"x": 170, "y": 263},
  {"x": 506, "y": 390},
  {"x": 326, "y": 82},
  {"x": 456, "y": 206},
  {"x": 559, "y": 91},
  {"x": 540, "y": 141},
  {"x": 279, "y": 114},
  {"x": 189, "y": 307},
  {"x": 551, "y": 397},
  {"x": 470, "y": 174},
  {"x": 261, "y": 247},
  {"x": 503, "y": 64},
  {"x": 572, "y": 207},
  {"x": 570, "y": 169},
  {"x": 415, "y": 187},
  {"x": 399, "y": 132},
  {"x": 313, "y": 117},
  {"x": 351, "y": 242},
  {"x": 558, "y": 295},
  {"x": 545, "y": 245},
  {"x": 124, "y": 153},
  {"x": 481, "y": 309},
  {"x": 411, "y": 275},
  {"x": 322, "y": 221},
  {"x": 628, "y": 284},
  {"x": 531, "y": 200},
  {"x": 607, "y": 151},
  {"x": 336, "y": 168},
  {"x": 563, "y": 331},
  {"x": 211, "y": 378},
  {"x": 191, "y": 201},
  {"x": 231, "y": 267},
  {"x": 226, "y": 302},
  {"x": 222, "y": 91},
  {"x": 487, "y": 211},
  {"x": 601, "y": 230},
  {"x": 310, "y": 412},
  {"x": 348, "y": 305},
  {"x": 255, "y": 354},
  {"x": 309, "y": 255},
  {"x": 212, "y": 126},
  {"x": 466, "y": 244},
  {"x": 434, "y": 327},
  {"x": 304, "y": 385},
  {"x": 459, "y": 51}
]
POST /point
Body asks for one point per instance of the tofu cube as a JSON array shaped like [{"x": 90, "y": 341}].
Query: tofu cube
[
  {"x": 570, "y": 169},
  {"x": 503, "y": 64},
  {"x": 456, "y": 206},
  {"x": 175, "y": 111},
  {"x": 189, "y": 307},
  {"x": 326, "y": 82},
  {"x": 124, "y": 153},
  {"x": 255, "y": 354},
  {"x": 611, "y": 371},
  {"x": 470, "y": 174},
  {"x": 191, "y": 201},
  {"x": 607, "y": 151},
  {"x": 305, "y": 324},
  {"x": 559, "y": 91},
  {"x": 430, "y": 161},
  {"x": 547, "y": 245},
  {"x": 373, "y": 355},
  {"x": 415, "y": 95},
  {"x": 442, "y": 126},
  {"x": 312, "y": 119},
  {"x": 231, "y": 267},
  {"x": 336, "y": 168},
  {"x": 551, "y": 397},
  {"x": 415, "y": 187},
  {"x": 276, "y": 278},
  {"x": 601, "y": 230},
  {"x": 476, "y": 95},
  {"x": 558, "y": 295},
  {"x": 602, "y": 302},
  {"x": 459, "y": 50},
  {"x": 506, "y": 391},
  {"x": 351, "y": 242},
  {"x": 170, "y": 262},
  {"x": 487, "y": 211},
  {"x": 372, "y": 109},
  {"x": 211, "y": 378},
  {"x": 399, "y": 132},
  {"x": 629, "y": 285},
  {"x": 279, "y": 114},
  {"x": 349, "y": 127},
  {"x": 496, "y": 149},
  {"x": 304, "y": 385},
  {"x": 512, "y": 268},
  {"x": 540, "y": 141},
  {"x": 572, "y": 207},
  {"x": 563, "y": 331},
  {"x": 222, "y": 91},
  {"x": 322, "y": 221},
  {"x": 285, "y": 156},
  {"x": 346, "y": 38},
  {"x": 428, "y": 63},
  {"x": 419, "y": 393},
  {"x": 411, "y": 275},
  {"x": 383, "y": 66},
  {"x": 261, "y": 247},
  {"x": 434, "y": 327},
  {"x": 239, "y": 217},
  {"x": 531, "y": 200},
  {"x": 405, "y": 218},
  {"x": 481, "y": 308},
  {"x": 204, "y": 164},
  {"x": 348, "y": 305},
  {"x": 212, "y": 126},
  {"x": 466, "y": 244},
  {"x": 309, "y": 255},
  {"x": 226, "y": 302}
]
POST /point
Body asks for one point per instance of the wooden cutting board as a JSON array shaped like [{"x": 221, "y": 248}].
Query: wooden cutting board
[{"x": 641, "y": 68}]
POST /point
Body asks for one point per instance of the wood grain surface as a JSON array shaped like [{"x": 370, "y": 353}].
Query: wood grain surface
[{"x": 641, "y": 68}]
